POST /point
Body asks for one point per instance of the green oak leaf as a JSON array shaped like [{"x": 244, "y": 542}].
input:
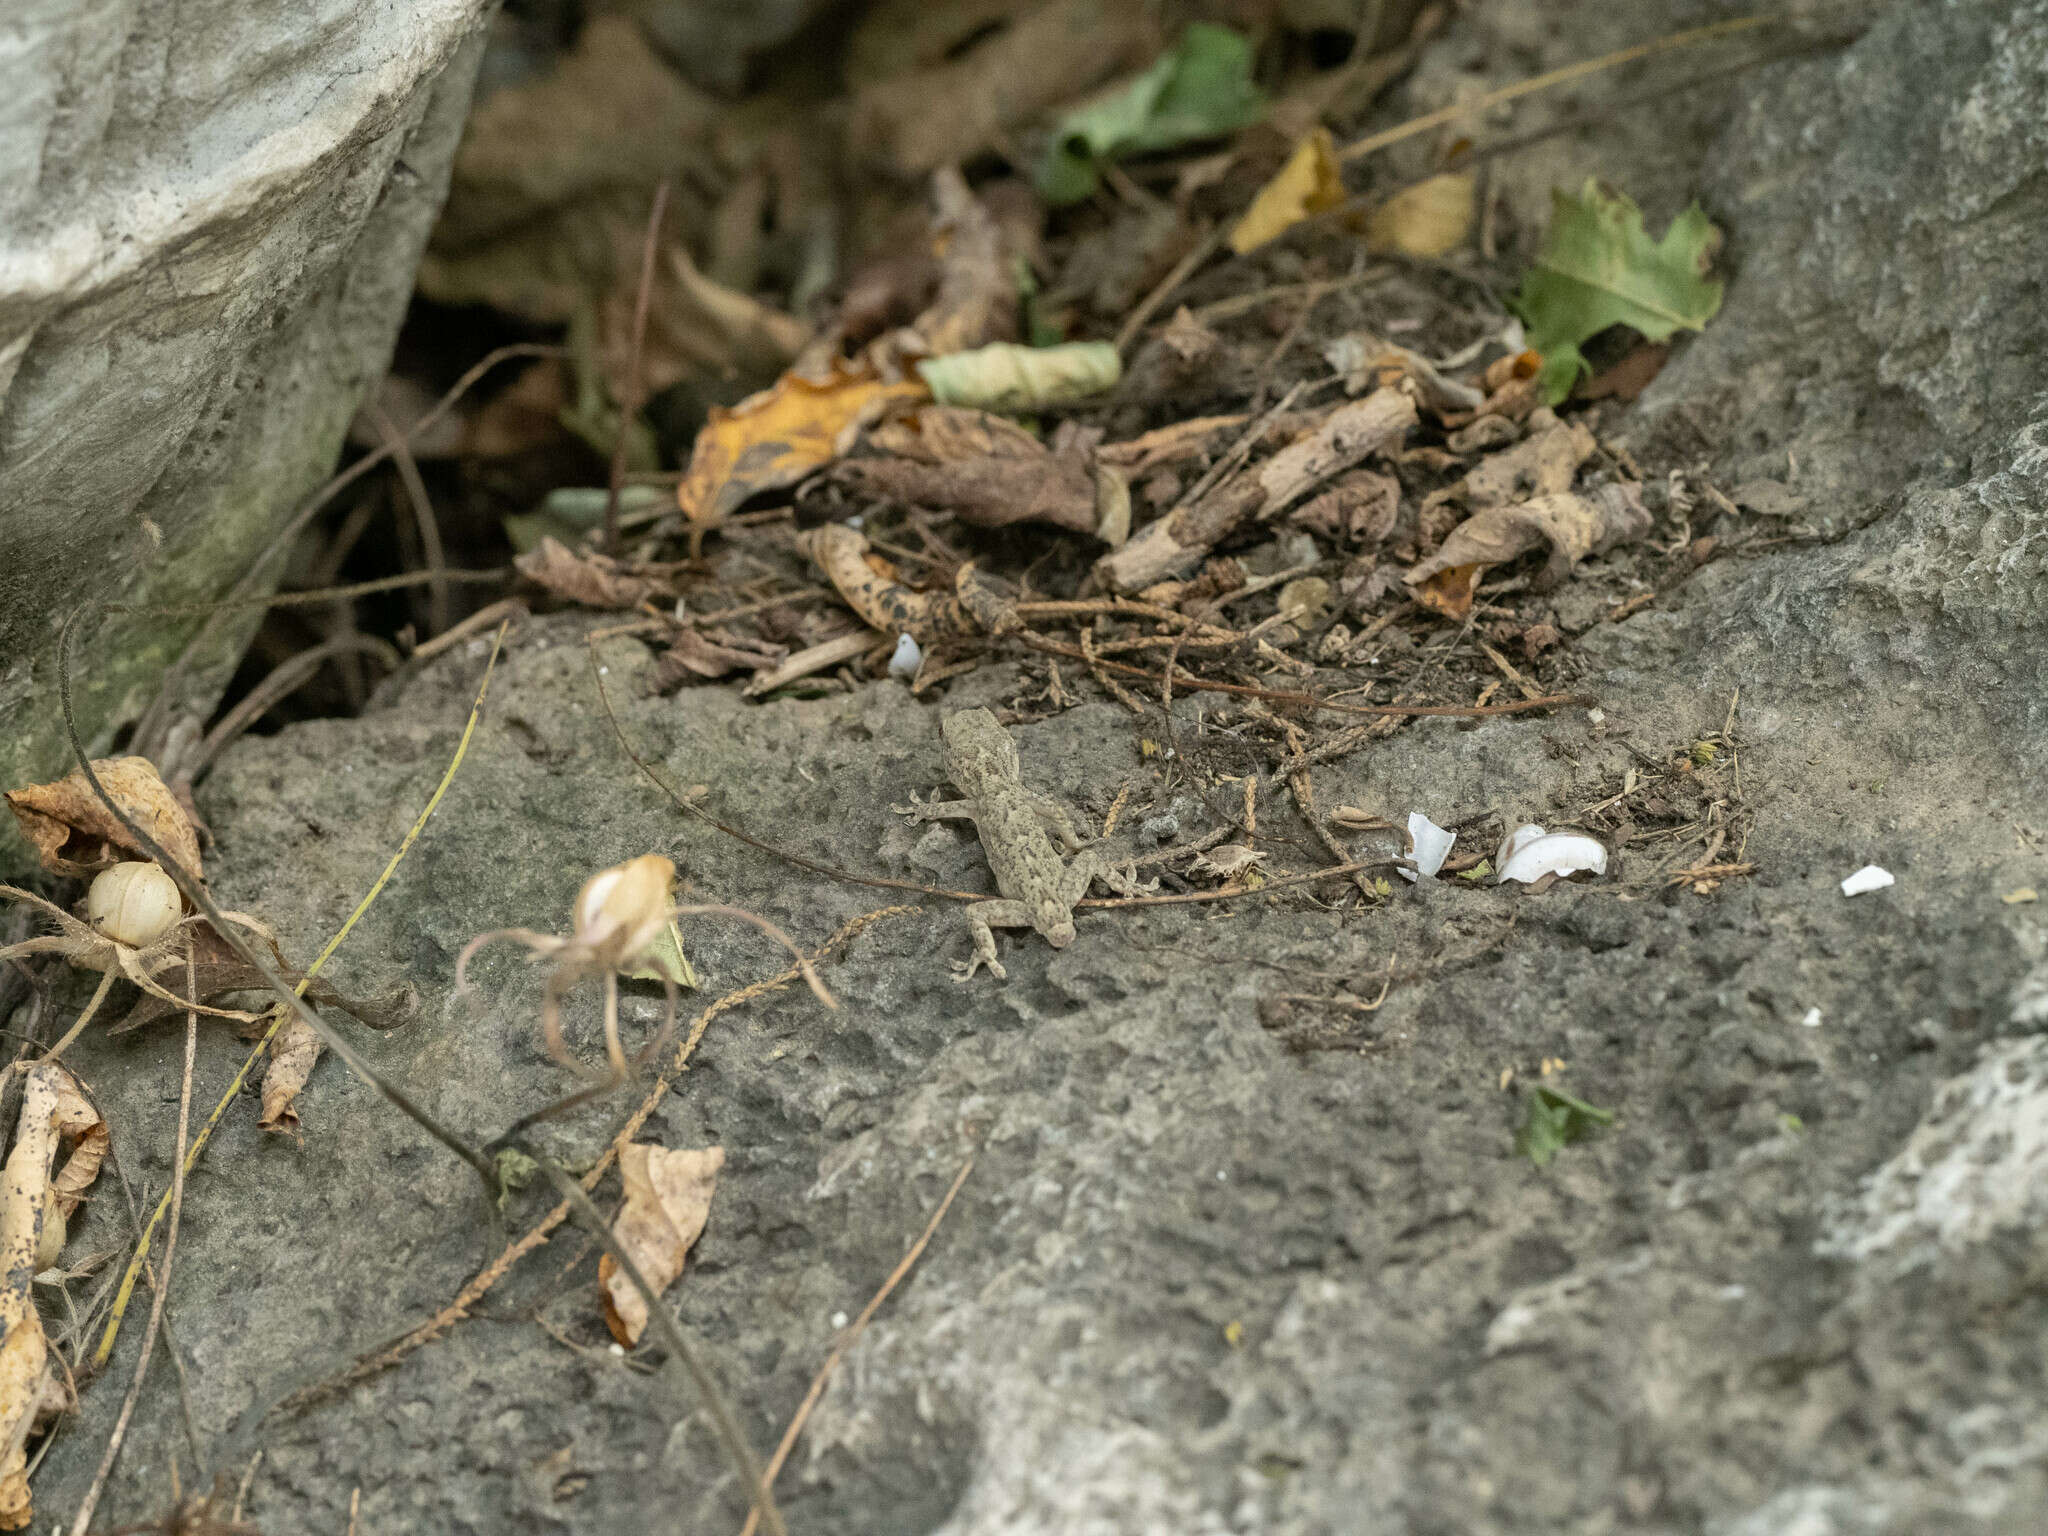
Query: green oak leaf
[
  {"x": 1552, "y": 1120},
  {"x": 1599, "y": 267}
]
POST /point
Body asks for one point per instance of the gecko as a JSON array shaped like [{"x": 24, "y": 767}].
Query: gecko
[{"x": 1017, "y": 827}]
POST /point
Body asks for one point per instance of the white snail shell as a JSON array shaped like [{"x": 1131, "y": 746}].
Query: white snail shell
[{"x": 133, "y": 904}]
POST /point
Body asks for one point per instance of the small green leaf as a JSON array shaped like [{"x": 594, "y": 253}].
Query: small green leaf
[
  {"x": 665, "y": 961},
  {"x": 1552, "y": 1120},
  {"x": 515, "y": 1172},
  {"x": 1199, "y": 89},
  {"x": 1600, "y": 267},
  {"x": 1478, "y": 871}
]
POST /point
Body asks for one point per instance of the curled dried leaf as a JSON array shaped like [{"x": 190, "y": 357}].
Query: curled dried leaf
[
  {"x": 1572, "y": 526},
  {"x": 585, "y": 577},
  {"x": 73, "y": 833},
  {"x": 292, "y": 1055},
  {"x": 775, "y": 438},
  {"x": 668, "y": 1199},
  {"x": 52, "y": 1111},
  {"x": 873, "y": 589}
]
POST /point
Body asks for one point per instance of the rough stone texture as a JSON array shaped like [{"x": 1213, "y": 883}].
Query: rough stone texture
[
  {"x": 209, "y": 218},
  {"x": 1195, "y": 1283}
]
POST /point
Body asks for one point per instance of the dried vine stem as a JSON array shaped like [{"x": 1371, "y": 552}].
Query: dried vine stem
[
  {"x": 736, "y": 1448},
  {"x": 195, "y": 892}
]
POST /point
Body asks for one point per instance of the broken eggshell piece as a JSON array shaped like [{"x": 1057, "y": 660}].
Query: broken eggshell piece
[
  {"x": 1871, "y": 877},
  {"x": 1529, "y": 853},
  {"x": 1431, "y": 845}
]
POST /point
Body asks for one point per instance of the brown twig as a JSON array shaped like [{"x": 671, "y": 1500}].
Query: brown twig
[
  {"x": 1478, "y": 105},
  {"x": 422, "y": 514},
  {"x": 852, "y": 1335},
  {"x": 161, "y": 1291},
  {"x": 1182, "y": 271},
  {"x": 486, "y": 617},
  {"x": 279, "y": 684},
  {"x": 1186, "y": 679},
  {"x": 629, "y": 407},
  {"x": 661, "y": 782},
  {"x": 149, "y": 730}
]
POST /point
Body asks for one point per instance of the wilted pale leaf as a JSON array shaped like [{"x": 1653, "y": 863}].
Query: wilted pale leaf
[
  {"x": 1007, "y": 377},
  {"x": 590, "y": 579},
  {"x": 668, "y": 1198}
]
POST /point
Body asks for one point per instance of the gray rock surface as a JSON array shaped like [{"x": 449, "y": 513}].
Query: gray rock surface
[
  {"x": 209, "y": 219},
  {"x": 1197, "y": 1283}
]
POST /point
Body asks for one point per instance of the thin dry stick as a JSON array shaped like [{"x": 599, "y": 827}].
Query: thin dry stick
[
  {"x": 1186, "y": 679},
  {"x": 630, "y": 406},
  {"x": 852, "y": 1335},
  {"x": 1334, "y": 872},
  {"x": 163, "y": 1283},
  {"x": 1544, "y": 82},
  {"x": 493, "y": 613},
  {"x": 1182, "y": 271},
  {"x": 422, "y": 514},
  {"x": 286, "y": 678},
  {"x": 153, "y": 723},
  {"x": 679, "y": 1345},
  {"x": 106, "y": 1344},
  {"x": 660, "y": 781}
]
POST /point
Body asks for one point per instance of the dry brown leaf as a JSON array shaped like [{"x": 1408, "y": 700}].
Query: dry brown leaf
[
  {"x": 1164, "y": 446},
  {"x": 990, "y": 491},
  {"x": 1543, "y": 464},
  {"x": 668, "y": 1198},
  {"x": 942, "y": 434},
  {"x": 52, "y": 1110},
  {"x": 873, "y": 588},
  {"x": 695, "y": 326},
  {"x": 611, "y": 115},
  {"x": 1308, "y": 183},
  {"x": 75, "y": 834},
  {"x": 1432, "y": 218},
  {"x": 292, "y": 1055},
  {"x": 775, "y": 438},
  {"x": 218, "y": 970},
  {"x": 976, "y": 302},
  {"x": 695, "y": 653},
  {"x": 1572, "y": 526},
  {"x": 585, "y": 577},
  {"x": 1357, "y": 508},
  {"x": 999, "y": 78}
]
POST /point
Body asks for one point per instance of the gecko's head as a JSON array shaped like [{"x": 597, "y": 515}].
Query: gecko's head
[
  {"x": 974, "y": 737},
  {"x": 1060, "y": 934}
]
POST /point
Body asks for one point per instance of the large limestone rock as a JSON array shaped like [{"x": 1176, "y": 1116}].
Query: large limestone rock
[{"x": 209, "y": 218}]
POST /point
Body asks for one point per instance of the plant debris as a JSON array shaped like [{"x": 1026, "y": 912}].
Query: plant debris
[
  {"x": 668, "y": 1200},
  {"x": 1599, "y": 268},
  {"x": 1553, "y": 1120}
]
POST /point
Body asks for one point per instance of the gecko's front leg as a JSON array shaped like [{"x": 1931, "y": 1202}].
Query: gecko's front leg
[
  {"x": 983, "y": 918},
  {"x": 936, "y": 809}
]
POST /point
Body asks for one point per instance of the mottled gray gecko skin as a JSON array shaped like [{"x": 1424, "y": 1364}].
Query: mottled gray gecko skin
[{"x": 1039, "y": 887}]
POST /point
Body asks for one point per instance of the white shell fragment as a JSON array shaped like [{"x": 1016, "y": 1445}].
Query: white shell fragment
[
  {"x": 1869, "y": 878},
  {"x": 906, "y": 659},
  {"x": 1812, "y": 1019},
  {"x": 1529, "y": 853},
  {"x": 1432, "y": 846}
]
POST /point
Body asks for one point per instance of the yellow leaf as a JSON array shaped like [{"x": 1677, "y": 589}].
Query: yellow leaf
[
  {"x": 775, "y": 438},
  {"x": 1307, "y": 184},
  {"x": 1431, "y": 218}
]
